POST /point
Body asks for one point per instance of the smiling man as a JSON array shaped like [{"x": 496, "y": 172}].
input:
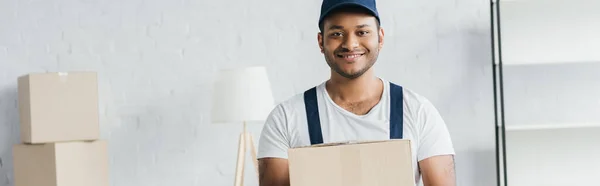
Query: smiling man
[{"x": 355, "y": 104}]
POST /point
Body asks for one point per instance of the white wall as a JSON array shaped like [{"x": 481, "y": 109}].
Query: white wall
[{"x": 156, "y": 60}]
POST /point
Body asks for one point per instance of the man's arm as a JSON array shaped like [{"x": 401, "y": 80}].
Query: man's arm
[
  {"x": 438, "y": 171},
  {"x": 273, "y": 172},
  {"x": 272, "y": 150},
  {"x": 436, "y": 151}
]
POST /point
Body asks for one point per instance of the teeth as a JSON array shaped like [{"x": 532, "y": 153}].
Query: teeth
[{"x": 352, "y": 56}]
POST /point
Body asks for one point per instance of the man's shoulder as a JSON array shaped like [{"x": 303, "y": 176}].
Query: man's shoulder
[
  {"x": 293, "y": 104},
  {"x": 411, "y": 97},
  {"x": 296, "y": 101},
  {"x": 415, "y": 103}
]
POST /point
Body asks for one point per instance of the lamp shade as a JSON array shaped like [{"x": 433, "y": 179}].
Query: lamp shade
[{"x": 242, "y": 94}]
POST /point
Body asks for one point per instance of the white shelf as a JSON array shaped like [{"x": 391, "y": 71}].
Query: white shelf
[
  {"x": 552, "y": 127},
  {"x": 523, "y": 63},
  {"x": 553, "y": 158},
  {"x": 538, "y": 32}
]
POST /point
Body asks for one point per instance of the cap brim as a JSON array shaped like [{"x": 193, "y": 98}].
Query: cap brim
[{"x": 347, "y": 4}]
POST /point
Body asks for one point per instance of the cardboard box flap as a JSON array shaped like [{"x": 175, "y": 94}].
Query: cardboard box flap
[{"x": 350, "y": 142}]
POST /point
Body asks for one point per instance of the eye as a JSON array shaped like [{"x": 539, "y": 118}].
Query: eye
[
  {"x": 363, "y": 33},
  {"x": 336, "y": 34}
]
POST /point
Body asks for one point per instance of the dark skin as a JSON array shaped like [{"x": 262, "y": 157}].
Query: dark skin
[{"x": 350, "y": 43}]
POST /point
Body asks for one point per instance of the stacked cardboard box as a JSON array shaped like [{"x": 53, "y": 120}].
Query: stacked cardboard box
[{"x": 59, "y": 123}]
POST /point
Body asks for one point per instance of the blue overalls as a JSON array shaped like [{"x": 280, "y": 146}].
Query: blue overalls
[{"x": 314, "y": 123}]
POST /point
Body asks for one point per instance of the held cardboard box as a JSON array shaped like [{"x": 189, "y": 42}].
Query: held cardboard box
[
  {"x": 61, "y": 164},
  {"x": 55, "y": 107},
  {"x": 369, "y": 163}
]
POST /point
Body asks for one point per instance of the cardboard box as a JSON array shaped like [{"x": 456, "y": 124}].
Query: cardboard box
[
  {"x": 61, "y": 164},
  {"x": 369, "y": 163},
  {"x": 57, "y": 107}
]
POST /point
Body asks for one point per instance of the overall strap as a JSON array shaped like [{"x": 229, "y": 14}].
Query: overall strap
[
  {"x": 314, "y": 122},
  {"x": 312, "y": 116},
  {"x": 396, "y": 111}
]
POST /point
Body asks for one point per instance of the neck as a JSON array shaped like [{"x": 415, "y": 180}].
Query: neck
[{"x": 364, "y": 87}]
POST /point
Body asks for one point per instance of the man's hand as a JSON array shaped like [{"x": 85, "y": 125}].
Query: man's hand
[
  {"x": 273, "y": 172},
  {"x": 438, "y": 171}
]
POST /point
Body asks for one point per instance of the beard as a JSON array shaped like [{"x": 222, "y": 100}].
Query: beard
[{"x": 370, "y": 56}]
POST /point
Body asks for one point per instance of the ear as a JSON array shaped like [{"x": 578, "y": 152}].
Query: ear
[
  {"x": 381, "y": 36},
  {"x": 320, "y": 40}
]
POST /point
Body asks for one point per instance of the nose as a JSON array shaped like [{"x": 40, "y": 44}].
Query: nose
[{"x": 350, "y": 42}]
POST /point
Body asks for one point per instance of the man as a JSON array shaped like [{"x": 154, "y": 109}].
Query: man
[{"x": 354, "y": 104}]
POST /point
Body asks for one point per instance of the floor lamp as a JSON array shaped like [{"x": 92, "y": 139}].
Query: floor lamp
[{"x": 242, "y": 95}]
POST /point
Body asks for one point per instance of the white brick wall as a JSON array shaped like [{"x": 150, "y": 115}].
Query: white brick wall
[{"x": 156, "y": 60}]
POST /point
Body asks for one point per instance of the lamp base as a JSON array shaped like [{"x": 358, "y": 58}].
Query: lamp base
[{"x": 244, "y": 138}]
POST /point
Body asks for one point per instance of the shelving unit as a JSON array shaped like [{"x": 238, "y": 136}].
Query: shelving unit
[{"x": 547, "y": 82}]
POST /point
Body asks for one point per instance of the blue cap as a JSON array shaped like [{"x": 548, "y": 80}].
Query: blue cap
[{"x": 329, "y": 5}]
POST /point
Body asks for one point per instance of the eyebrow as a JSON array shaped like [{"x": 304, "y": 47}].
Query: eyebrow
[
  {"x": 341, "y": 27},
  {"x": 362, "y": 26}
]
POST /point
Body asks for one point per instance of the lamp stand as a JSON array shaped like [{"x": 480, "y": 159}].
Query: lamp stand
[{"x": 244, "y": 138}]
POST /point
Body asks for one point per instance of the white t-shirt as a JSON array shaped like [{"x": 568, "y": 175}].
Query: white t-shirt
[{"x": 286, "y": 126}]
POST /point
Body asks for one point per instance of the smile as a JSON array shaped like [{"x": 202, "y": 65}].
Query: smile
[{"x": 349, "y": 56}]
